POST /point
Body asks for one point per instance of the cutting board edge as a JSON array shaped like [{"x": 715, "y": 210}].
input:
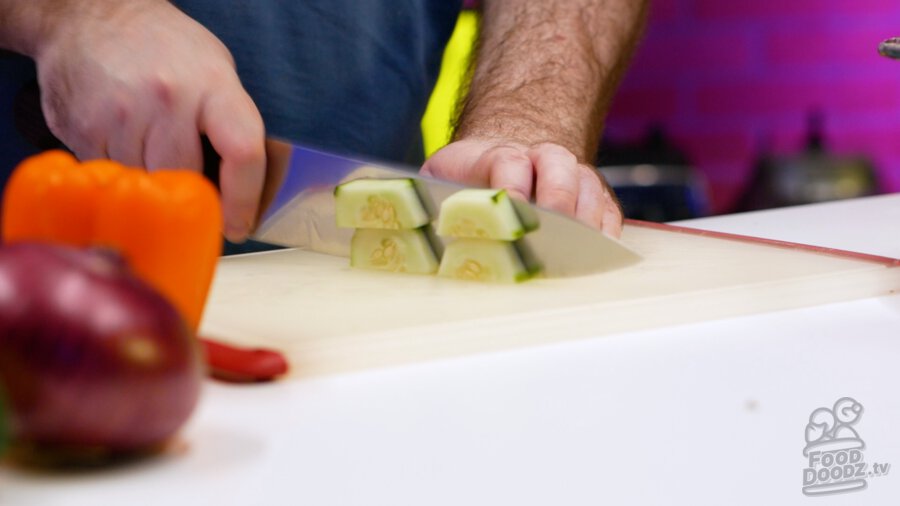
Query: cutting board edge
[{"x": 853, "y": 255}]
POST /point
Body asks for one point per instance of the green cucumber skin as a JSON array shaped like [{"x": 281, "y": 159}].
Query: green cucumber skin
[
  {"x": 527, "y": 217},
  {"x": 532, "y": 266}
]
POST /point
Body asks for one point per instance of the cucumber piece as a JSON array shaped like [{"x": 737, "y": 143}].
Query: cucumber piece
[
  {"x": 488, "y": 260},
  {"x": 485, "y": 214},
  {"x": 406, "y": 250},
  {"x": 379, "y": 203}
]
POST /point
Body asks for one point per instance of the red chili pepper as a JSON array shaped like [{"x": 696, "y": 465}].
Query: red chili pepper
[{"x": 242, "y": 365}]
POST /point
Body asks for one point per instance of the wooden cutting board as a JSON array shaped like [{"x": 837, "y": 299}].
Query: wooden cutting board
[{"x": 330, "y": 318}]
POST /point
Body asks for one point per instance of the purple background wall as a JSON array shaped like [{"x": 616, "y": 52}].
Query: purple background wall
[{"x": 730, "y": 79}]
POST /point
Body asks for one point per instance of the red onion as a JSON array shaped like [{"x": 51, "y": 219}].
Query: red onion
[{"x": 94, "y": 363}]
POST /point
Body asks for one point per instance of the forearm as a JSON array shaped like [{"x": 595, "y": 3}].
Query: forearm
[
  {"x": 21, "y": 24},
  {"x": 26, "y": 25},
  {"x": 546, "y": 71}
]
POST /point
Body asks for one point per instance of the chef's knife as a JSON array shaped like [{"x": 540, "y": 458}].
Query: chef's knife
[{"x": 299, "y": 212}]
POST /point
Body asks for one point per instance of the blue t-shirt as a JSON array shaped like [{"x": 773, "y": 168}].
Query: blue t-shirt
[
  {"x": 350, "y": 76},
  {"x": 346, "y": 75}
]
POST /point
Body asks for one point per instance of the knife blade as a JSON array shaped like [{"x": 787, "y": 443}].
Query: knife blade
[{"x": 298, "y": 211}]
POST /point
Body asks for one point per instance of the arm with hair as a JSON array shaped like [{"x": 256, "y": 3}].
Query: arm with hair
[{"x": 531, "y": 122}]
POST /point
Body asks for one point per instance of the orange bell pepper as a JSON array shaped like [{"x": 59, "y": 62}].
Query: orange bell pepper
[{"x": 166, "y": 224}]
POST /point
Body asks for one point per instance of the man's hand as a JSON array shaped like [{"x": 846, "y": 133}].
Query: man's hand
[
  {"x": 531, "y": 122},
  {"x": 140, "y": 82},
  {"x": 547, "y": 173}
]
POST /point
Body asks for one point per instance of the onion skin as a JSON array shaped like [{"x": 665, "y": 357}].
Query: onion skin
[
  {"x": 3, "y": 435},
  {"x": 95, "y": 364}
]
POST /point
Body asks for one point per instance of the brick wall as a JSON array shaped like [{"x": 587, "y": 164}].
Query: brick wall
[{"x": 731, "y": 79}]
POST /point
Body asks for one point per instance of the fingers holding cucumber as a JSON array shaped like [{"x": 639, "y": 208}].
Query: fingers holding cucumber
[{"x": 546, "y": 173}]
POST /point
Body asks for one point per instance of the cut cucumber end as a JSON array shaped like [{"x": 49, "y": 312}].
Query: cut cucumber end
[
  {"x": 484, "y": 214},
  {"x": 408, "y": 251},
  {"x": 379, "y": 204},
  {"x": 488, "y": 261}
]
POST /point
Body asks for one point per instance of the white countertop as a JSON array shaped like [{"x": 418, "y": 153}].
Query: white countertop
[
  {"x": 868, "y": 225},
  {"x": 710, "y": 413}
]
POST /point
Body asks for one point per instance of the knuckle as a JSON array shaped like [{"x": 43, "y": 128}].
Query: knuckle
[
  {"x": 547, "y": 146},
  {"x": 89, "y": 128},
  {"x": 220, "y": 68},
  {"x": 559, "y": 197},
  {"x": 506, "y": 155},
  {"x": 218, "y": 73},
  {"x": 556, "y": 151},
  {"x": 246, "y": 154},
  {"x": 123, "y": 110},
  {"x": 219, "y": 47},
  {"x": 590, "y": 176},
  {"x": 164, "y": 90}
]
